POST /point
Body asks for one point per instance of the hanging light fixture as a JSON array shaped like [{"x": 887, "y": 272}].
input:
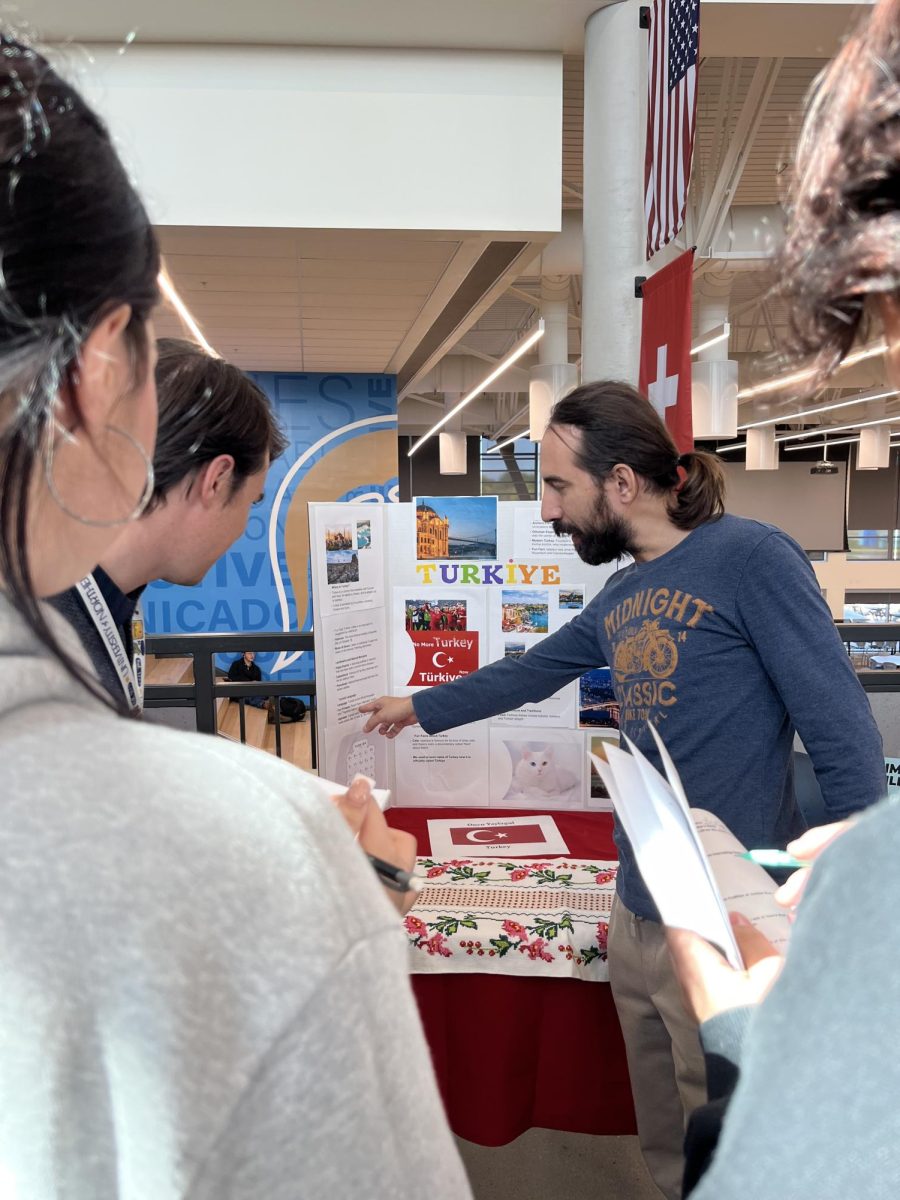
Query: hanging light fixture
[
  {"x": 514, "y": 355},
  {"x": 762, "y": 452},
  {"x": 452, "y": 452}
]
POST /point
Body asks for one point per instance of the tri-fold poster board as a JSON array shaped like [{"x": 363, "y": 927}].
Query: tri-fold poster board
[{"x": 409, "y": 596}]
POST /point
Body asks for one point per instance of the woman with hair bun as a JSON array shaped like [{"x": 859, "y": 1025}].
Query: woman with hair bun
[{"x": 204, "y": 988}]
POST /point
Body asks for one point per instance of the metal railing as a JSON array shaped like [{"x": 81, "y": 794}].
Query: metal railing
[
  {"x": 208, "y": 686},
  {"x": 884, "y": 636}
]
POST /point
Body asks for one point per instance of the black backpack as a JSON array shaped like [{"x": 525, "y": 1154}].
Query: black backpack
[{"x": 292, "y": 708}]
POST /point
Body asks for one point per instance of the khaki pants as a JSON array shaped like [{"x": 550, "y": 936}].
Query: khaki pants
[{"x": 665, "y": 1061}]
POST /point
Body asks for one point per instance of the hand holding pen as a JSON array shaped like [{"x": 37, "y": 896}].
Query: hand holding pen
[
  {"x": 392, "y": 852},
  {"x": 709, "y": 984},
  {"x": 800, "y": 854}
]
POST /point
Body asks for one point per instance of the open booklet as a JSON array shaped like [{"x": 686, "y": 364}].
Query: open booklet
[{"x": 690, "y": 861}]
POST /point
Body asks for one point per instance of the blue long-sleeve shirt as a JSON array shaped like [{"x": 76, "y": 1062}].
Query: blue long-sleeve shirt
[{"x": 726, "y": 644}]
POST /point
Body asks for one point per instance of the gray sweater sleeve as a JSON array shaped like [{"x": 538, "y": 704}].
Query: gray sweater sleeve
[
  {"x": 806, "y": 660},
  {"x": 813, "y": 1115},
  {"x": 343, "y": 1102},
  {"x": 511, "y": 682}
]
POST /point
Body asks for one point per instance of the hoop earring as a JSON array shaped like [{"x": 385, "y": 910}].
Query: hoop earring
[{"x": 143, "y": 500}]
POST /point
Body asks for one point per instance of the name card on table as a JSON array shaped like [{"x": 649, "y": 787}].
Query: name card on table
[{"x": 485, "y": 837}]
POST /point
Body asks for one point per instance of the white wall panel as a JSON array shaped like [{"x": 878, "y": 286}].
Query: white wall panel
[{"x": 342, "y": 139}]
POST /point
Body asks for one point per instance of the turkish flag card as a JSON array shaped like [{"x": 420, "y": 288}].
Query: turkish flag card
[
  {"x": 442, "y": 656},
  {"x": 492, "y": 837}
]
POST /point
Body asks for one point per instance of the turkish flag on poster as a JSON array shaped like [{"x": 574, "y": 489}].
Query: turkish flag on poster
[
  {"x": 665, "y": 377},
  {"x": 442, "y": 655},
  {"x": 493, "y": 835}
]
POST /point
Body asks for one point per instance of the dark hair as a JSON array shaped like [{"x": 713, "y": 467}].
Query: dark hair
[
  {"x": 618, "y": 425},
  {"x": 75, "y": 243},
  {"x": 207, "y": 407},
  {"x": 843, "y": 236}
]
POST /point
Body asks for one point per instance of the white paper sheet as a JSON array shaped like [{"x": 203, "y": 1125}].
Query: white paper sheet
[
  {"x": 348, "y": 548},
  {"x": 688, "y": 859}
]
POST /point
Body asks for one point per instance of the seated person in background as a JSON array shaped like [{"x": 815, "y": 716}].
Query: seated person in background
[
  {"x": 810, "y": 1077},
  {"x": 217, "y": 436},
  {"x": 245, "y": 670}
]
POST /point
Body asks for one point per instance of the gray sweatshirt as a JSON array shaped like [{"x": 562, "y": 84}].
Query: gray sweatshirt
[
  {"x": 815, "y": 1114},
  {"x": 204, "y": 990}
]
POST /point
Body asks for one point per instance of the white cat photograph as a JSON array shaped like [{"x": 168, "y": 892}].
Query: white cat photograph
[{"x": 543, "y": 773}]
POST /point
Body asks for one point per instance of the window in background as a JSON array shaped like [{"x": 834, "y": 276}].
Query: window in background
[
  {"x": 513, "y": 473},
  {"x": 872, "y": 543},
  {"x": 874, "y": 608}
]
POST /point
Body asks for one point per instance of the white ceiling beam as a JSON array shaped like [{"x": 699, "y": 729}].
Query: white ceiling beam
[
  {"x": 516, "y": 418},
  {"x": 424, "y": 399},
  {"x": 463, "y": 260},
  {"x": 462, "y": 348},
  {"x": 521, "y": 294},
  {"x": 740, "y": 143},
  {"x": 725, "y": 102}
]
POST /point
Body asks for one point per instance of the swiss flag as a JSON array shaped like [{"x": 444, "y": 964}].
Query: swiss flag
[
  {"x": 497, "y": 835},
  {"x": 665, "y": 377}
]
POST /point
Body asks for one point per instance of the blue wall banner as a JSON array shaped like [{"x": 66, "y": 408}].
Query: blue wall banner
[{"x": 342, "y": 433}]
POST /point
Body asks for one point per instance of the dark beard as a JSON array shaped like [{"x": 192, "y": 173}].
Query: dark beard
[{"x": 608, "y": 539}]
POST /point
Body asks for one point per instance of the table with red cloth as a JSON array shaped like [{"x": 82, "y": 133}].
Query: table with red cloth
[{"x": 513, "y": 1052}]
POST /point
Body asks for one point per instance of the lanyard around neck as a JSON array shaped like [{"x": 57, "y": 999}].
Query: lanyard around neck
[{"x": 131, "y": 674}]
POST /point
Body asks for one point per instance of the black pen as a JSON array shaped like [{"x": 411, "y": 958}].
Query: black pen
[{"x": 393, "y": 877}]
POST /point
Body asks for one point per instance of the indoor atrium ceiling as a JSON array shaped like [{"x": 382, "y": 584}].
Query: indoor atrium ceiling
[
  {"x": 396, "y": 301},
  {"x": 380, "y": 301}
]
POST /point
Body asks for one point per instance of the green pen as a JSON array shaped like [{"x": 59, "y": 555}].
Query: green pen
[{"x": 775, "y": 858}]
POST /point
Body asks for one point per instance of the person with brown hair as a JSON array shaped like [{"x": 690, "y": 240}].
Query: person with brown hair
[
  {"x": 718, "y": 635},
  {"x": 807, "y": 1081},
  {"x": 205, "y": 988},
  {"x": 216, "y": 438}
]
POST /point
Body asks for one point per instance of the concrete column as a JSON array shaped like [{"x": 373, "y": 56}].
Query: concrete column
[
  {"x": 615, "y": 85},
  {"x": 554, "y": 345},
  {"x": 554, "y": 375}
]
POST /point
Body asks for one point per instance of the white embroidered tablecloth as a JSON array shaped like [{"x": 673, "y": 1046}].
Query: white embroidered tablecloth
[{"x": 547, "y": 918}]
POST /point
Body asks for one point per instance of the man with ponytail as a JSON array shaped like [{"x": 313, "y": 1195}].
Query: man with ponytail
[{"x": 718, "y": 635}]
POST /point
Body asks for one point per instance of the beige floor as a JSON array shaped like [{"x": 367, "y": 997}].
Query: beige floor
[
  {"x": 544, "y": 1165},
  {"x": 295, "y": 737}
]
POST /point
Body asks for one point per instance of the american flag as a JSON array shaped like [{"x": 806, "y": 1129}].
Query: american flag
[{"x": 671, "y": 116}]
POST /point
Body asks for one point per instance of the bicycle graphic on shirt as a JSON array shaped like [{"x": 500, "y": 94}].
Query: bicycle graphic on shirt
[{"x": 649, "y": 651}]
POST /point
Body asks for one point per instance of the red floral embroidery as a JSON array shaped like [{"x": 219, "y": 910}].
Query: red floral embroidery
[
  {"x": 415, "y": 927},
  {"x": 535, "y": 949},
  {"x": 435, "y": 871},
  {"x": 435, "y": 945},
  {"x": 514, "y": 929},
  {"x": 605, "y": 877},
  {"x": 602, "y": 934},
  {"x": 519, "y": 873}
]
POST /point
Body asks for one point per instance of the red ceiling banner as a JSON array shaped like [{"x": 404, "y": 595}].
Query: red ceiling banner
[{"x": 665, "y": 377}]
